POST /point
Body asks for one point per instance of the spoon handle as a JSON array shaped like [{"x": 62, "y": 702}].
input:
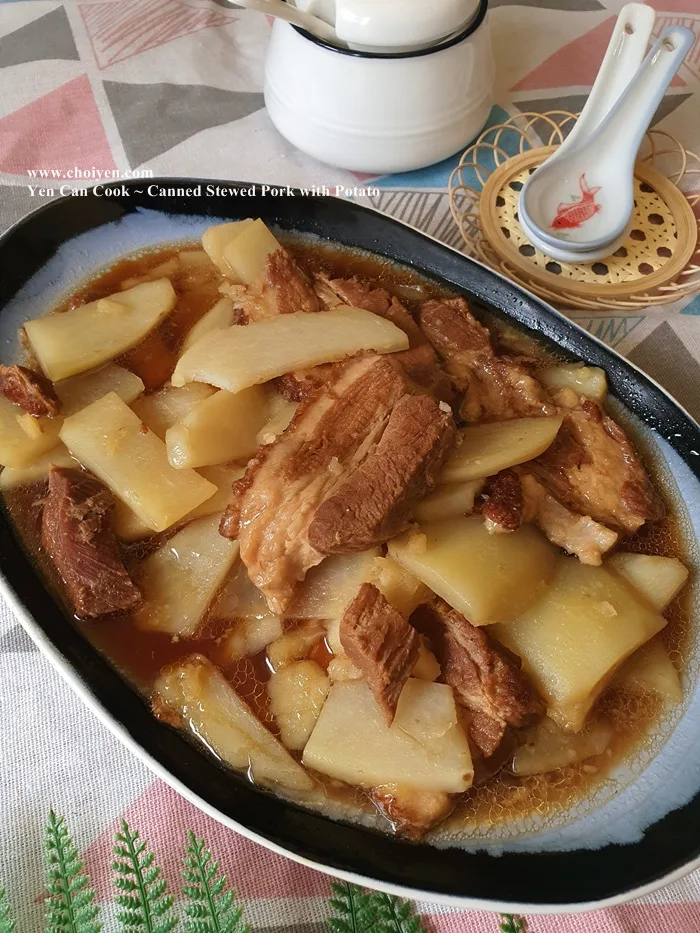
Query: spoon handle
[
  {"x": 625, "y": 53},
  {"x": 294, "y": 16},
  {"x": 628, "y": 121}
]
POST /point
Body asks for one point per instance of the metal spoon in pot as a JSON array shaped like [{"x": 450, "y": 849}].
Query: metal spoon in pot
[{"x": 278, "y": 8}]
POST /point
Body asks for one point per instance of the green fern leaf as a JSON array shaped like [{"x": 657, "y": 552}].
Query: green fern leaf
[
  {"x": 142, "y": 898},
  {"x": 70, "y": 903},
  {"x": 355, "y": 910},
  {"x": 512, "y": 923},
  {"x": 210, "y": 904},
  {"x": 7, "y": 923},
  {"x": 396, "y": 915}
]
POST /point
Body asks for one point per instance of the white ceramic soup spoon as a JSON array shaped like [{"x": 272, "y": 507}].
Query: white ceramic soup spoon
[
  {"x": 584, "y": 199},
  {"x": 625, "y": 53},
  {"x": 281, "y": 10}
]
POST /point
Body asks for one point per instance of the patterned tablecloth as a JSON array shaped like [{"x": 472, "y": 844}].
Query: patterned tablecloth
[{"x": 174, "y": 86}]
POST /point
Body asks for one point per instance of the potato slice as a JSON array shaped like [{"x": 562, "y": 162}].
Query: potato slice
[
  {"x": 218, "y": 316},
  {"x": 341, "y": 669},
  {"x": 166, "y": 407},
  {"x": 80, "y": 391},
  {"x": 424, "y": 747},
  {"x": 180, "y": 579},
  {"x": 280, "y": 413},
  {"x": 329, "y": 587},
  {"x": 246, "y": 254},
  {"x": 573, "y": 639},
  {"x": 324, "y": 594},
  {"x": 163, "y": 270},
  {"x": 24, "y": 438},
  {"x": 216, "y": 238},
  {"x": 651, "y": 669},
  {"x": 245, "y": 355},
  {"x": 223, "y": 427},
  {"x": 488, "y": 578},
  {"x": 108, "y": 439},
  {"x": 448, "y": 501},
  {"x": 297, "y": 695},
  {"x": 658, "y": 579},
  {"x": 488, "y": 448},
  {"x": 250, "y": 636},
  {"x": 295, "y": 644},
  {"x": 199, "y": 693},
  {"x": 584, "y": 380},
  {"x": 129, "y": 527},
  {"x": 547, "y": 748},
  {"x": 427, "y": 666},
  {"x": 85, "y": 337},
  {"x": 240, "y": 598},
  {"x": 37, "y": 470},
  {"x": 397, "y": 585}
]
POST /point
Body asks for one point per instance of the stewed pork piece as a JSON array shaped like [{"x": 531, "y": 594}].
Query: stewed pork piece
[
  {"x": 514, "y": 497},
  {"x": 381, "y": 643},
  {"x": 593, "y": 468},
  {"x": 376, "y": 501},
  {"x": 360, "y": 293},
  {"x": 494, "y": 387},
  {"x": 331, "y": 434},
  {"x": 32, "y": 391},
  {"x": 486, "y": 679},
  {"x": 77, "y": 532},
  {"x": 283, "y": 289}
]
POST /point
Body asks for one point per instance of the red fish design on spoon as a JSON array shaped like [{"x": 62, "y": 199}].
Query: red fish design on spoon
[{"x": 574, "y": 214}]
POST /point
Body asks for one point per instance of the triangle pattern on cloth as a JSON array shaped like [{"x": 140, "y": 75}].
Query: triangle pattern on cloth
[
  {"x": 665, "y": 357},
  {"x": 576, "y": 63},
  {"x": 118, "y": 31},
  {"x": 16, "y": 202},
  {"x": 573, "y": 6},
  {"x": 56, "y": 132},
  {"x": 429, "y": 211},
  {"x": 172, "y": 113},
  {"x": 163, "y": 817},
  {"x": 574, "y": 103},
  {"x": 610, "y": 328},
  {"x": 48, "y": 37},
  {"x": 691, "y": 20},
  {"x": 16, "y": 641}
]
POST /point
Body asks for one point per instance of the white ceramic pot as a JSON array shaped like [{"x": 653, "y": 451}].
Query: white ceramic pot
[{"x": 379, "y": 113}]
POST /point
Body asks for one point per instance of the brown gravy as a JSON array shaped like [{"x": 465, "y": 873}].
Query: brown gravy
[{"x": 140, "y": 655}]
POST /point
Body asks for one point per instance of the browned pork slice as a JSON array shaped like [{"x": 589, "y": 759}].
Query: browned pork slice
[
  {"x": 361, "y": 293},
  {"x": 376, "y": 501},
  {"x": 494, "y": 387},
  {"x": 285, "y": 289},
  {"x": 421, "y": 365},
  {"x": 381, "y": 644},
  {"x": 514, "y": 497},
  {"x": 33, "y": 392},
  {"x": 578, "y": 534},
  {"x": 412, "y": 812},
  {"x": 77, "y": 532},
  {"x": 593, "y": 469},
  {"x": 503, "y": 508},
  {"x": 486, "y": 679},
  {"x": 330, "y": 435}
]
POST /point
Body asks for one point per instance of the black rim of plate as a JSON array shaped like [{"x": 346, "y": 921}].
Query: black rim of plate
[
  {"x": 541, "y": 880},
  {"x": 470, "y": 28}
]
